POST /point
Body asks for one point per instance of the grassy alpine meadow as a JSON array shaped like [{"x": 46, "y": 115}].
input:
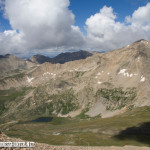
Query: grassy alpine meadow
[{"x": 130, "y": 128}]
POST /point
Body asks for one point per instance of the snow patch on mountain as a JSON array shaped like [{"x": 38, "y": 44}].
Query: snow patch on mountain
[
  {"x": 125, "y": 73},
  {"x": 29, "y": 80},
  {"x": 142, "y": 79},
  {"x": 99, "y": 82}
]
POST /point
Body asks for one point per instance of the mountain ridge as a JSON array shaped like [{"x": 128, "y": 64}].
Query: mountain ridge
[
  {"x": 11, "y": 62},
  {"x": 113, "y": 81},
  {"x": 61, "y": 58}
]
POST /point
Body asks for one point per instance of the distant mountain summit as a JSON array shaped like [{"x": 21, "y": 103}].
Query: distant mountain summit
[
  {"x": 7, "y": 56},
  {"x": 40, "y": 59},
  {"x": 61, "y": 58},
  {"x": 10, "y": 62},
  {"x": 141, "y": 40}
]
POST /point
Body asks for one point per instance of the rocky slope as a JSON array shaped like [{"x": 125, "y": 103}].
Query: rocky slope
[
  {"x": 104, "y": 84},
  {"x": 10, "y": 62}
]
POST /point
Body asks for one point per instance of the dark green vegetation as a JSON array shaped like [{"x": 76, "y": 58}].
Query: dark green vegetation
[
  {"x": 62, "y": 102},
  {"x": 117, "y": 98},
  {"x": 42, "y": 101},
  {"x": 32, "y": 103},
  {"x": 7, "y": 96},
  {"x": 118, "y": 130},
  {"x": 83, "y": 115},
  {"x": 37, "y": 112},
  {"x": 65, "y": 102}
]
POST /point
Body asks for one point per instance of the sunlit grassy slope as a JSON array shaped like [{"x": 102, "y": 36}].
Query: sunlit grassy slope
[{"x": 130, "y": 128}]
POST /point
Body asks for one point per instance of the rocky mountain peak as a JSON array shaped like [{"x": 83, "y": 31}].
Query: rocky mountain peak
[
  {"x": 139, "y": 47},
  {"x": 40, "y": 59},
  {"x": 141, "y": 40},
  {"x": 61, "y": 58},
  {"x": 7, "y": 56}
]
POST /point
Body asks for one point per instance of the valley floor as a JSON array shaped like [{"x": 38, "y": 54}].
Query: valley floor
[{"x": 115, "y": 133}]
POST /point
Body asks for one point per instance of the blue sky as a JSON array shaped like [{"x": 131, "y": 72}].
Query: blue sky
[
  {"x": 4, "y": 23},
  {"x": 54, "y": 26},
  {"x": 83, "y": 9}
]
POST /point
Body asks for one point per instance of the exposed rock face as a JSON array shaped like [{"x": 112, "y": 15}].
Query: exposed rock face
[{"x": 115, "y": 80}]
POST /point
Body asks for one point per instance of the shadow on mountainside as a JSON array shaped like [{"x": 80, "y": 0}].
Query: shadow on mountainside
[{"x": 139, "y": 133}]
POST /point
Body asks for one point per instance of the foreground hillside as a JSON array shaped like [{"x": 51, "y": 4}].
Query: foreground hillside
[
  {"x": 130, "y": 128},
  {"x": 41, "y": 146}
]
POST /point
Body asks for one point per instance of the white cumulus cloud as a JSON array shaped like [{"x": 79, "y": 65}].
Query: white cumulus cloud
[
  {"x": 11, "y": 42},
  {"x": 140, "y": 19},
  {"x": 43, "y": 24},
  {"x": 105, "y": 33}
]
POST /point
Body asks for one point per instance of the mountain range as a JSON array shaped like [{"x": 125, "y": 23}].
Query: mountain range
[
  {"x": 61, "y": 58},
  {"x": 83, "y": 84}
]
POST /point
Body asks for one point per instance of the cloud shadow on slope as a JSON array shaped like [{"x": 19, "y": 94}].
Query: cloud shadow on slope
[{"x": 139, "y": 133}]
